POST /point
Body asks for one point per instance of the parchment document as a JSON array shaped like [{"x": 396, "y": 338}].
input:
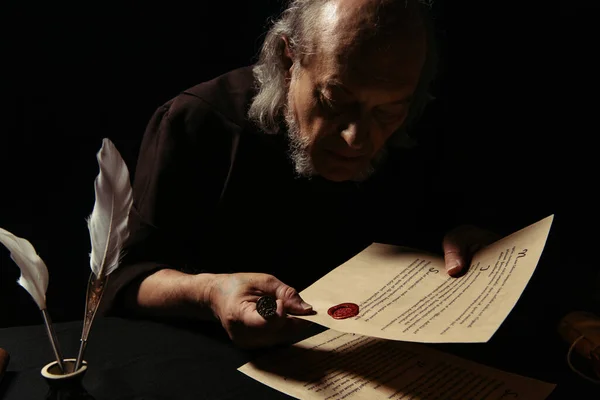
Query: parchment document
[
  {"x": 406, "y": 295},
  {"x": 335, "y": 365}
]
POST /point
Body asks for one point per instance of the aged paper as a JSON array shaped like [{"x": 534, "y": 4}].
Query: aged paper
[
  {"x": 407, "y": 295},
  {"x": 335, "y": 365}
]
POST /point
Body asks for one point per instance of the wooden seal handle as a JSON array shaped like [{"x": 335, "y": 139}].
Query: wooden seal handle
[
  {"x": 4, "y": 359},
  {"x": 582, "y": 324},
  {"x": 585, "y": 328}
]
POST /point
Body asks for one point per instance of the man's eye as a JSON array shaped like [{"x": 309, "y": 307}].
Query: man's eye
[
  {"x": 389, "y": 116},
  {"x": 329, "y": 107}
]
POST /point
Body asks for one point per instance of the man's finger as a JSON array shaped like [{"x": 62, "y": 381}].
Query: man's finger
[
  {"x": 454, "y": 256},
  {"x": 461, "y": 243},
  {"x": 292, "y": 302}
]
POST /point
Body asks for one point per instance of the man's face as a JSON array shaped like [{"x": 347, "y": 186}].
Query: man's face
[{"x": 348, "y": 99}]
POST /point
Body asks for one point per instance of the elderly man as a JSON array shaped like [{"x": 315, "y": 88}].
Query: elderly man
[{"x": 260, "y": 181}]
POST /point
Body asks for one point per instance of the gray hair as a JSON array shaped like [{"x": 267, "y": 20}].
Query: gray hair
[{"x": 298, "y": 23}]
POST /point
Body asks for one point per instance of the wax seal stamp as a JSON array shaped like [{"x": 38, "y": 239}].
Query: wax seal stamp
[
  {"x": 266, "y": 306},
  {"x": 343, "y": 311}
]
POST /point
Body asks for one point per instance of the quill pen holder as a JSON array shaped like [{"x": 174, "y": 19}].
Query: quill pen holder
[{"x": 67, "y": 386}]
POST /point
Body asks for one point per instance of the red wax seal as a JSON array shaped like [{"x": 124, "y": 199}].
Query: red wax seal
[{"x": 344, "y": 310}]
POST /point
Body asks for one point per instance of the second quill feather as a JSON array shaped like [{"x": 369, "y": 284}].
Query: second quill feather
[{"x": 108, "y": 226}]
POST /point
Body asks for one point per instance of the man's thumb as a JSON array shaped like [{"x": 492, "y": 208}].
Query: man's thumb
[
  {"x": 453, "y": 256},
  {"x": 292, "y": 302}
]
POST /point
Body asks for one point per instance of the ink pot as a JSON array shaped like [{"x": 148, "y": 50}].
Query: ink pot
[{"x": 67, "y": 385}]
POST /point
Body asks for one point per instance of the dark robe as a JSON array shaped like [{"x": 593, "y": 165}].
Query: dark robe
[{"x": 213, "y": 193}]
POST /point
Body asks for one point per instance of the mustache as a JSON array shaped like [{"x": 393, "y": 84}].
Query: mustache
[{"x": 300, "y": 146}]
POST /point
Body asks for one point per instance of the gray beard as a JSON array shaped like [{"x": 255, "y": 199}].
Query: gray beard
[{"x": 299, "y": 153}]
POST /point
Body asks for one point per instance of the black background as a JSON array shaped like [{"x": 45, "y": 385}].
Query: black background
[{"x": 515, "y": 117}]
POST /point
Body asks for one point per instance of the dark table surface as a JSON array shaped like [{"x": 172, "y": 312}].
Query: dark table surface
[{"x": 131, "y": 359}]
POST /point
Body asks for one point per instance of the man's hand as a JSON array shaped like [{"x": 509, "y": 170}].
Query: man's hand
[
  {"x": 461, "y": 243},
  {"x": 233, "y": 300}
]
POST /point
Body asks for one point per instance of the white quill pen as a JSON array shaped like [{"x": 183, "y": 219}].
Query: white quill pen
[
  {"x": 108, "y": 222},
  {"x": 108, "y": 229},
  {"x": 34, "y": 278}
]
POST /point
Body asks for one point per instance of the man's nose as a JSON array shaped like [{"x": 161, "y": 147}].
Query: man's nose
[{"x": 356, "y": 135}]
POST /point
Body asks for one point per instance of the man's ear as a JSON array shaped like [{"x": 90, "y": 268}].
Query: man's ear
[{"x": 288, "y": 57}]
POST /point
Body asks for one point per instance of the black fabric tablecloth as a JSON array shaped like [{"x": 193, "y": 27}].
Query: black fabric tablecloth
[
  {"x": 149, "y": 360},
  {"x": 133, "y": 360}
]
